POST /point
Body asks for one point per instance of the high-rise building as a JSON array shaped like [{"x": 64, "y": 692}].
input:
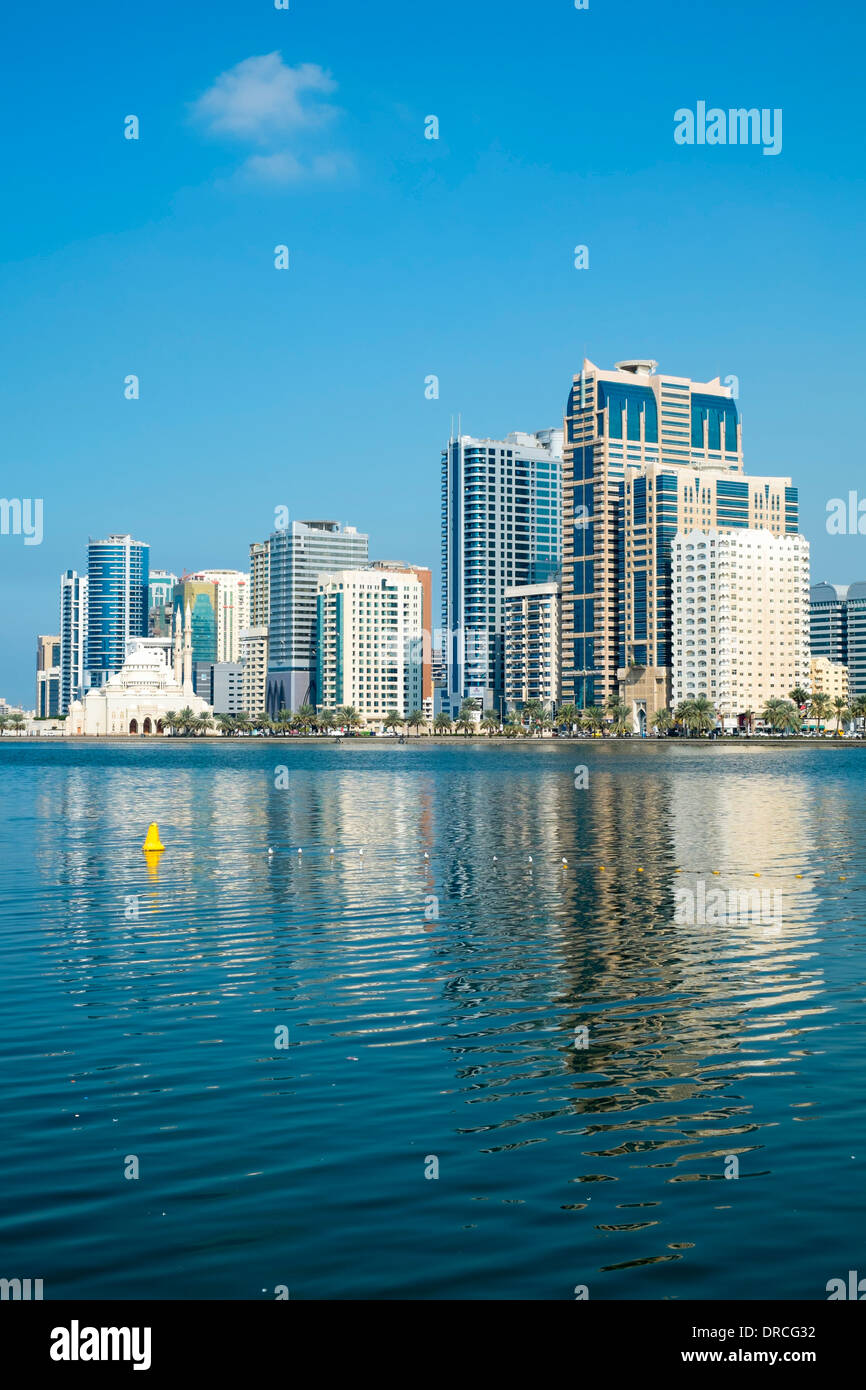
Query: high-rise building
[
  {"x": 260, "y": 586},
  {"x": 73, "y": 637},
  {"x": 740, "y": 617},
  {"x": 657, "y": 501},
  {"x": 117, "y": 576},
  {"x": 160, "y": 587},
  {"x": 232, "y": 609},
  {"x": 254, "y": 655},
  {"x": 370, "y": 642},
  {"x": 160, "y": 591},
  {"x": 838, "y": 628},
  {"x": 425, "y": 576},
  {"x": 200, "y": 597},
  {"x": 298, "y": 555},
  {"x": 532, "y": 644},
  {"x": 646, "y": 454},
  {"x": 48, "y": 677},
  {"x": 501, "y": 527}
]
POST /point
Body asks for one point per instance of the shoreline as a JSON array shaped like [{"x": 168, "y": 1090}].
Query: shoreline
[{"x": 423, "y": 740}]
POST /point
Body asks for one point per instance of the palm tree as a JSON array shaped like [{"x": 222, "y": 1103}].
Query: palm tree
[
  {"x": 858, "y": 709},
  {"x": 749, "y": 716},
  {"x": 593, "y": 718},
  {"x": 4, "y": 720},
  {"x": 697, "y": 716},
  {"x": 490, "y": 722},
  {"x": 464, "y": 718},
  {"x": 203, "y": 724},
  {"x": 567, "y": 716},
  {"x": 782, "y": 716},
  {"x": 305, "y": 718},
  {"x": 532, "y": 712},
  {"x": 442, "y": 723},
  {"x": 663, "y": 721},
  {"x": 417, "y": 721},
  {"x": 327, "y": 720},
  {"x": 348, "y": 717},
  {"x": 243, "y": 723},
  {"x": 819, "y": 707},
  {"x": 263, "y": 723},
  {"x": 620, "y": 717},
  {"x": 186, "y": 720},
  {"x": 799, "y": 696},
  {"x": 225, "y": 722},
  {"x": 514, "y": 725},
  {"x": 393, "y": 720},
  {"x": 283, "y": 721},
  {"x": 170, "y": 721},
  {"x": 17, "y": 721},
  {"x": 840, "y": 705}
]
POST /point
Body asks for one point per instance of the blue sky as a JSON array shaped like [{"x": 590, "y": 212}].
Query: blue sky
[{"x": 408, "y": 257}]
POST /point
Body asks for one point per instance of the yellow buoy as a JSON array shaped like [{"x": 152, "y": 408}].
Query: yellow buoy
[
  {"x": 151, "y": 840},
  {"x": 640, "y": 871},
  {"x": 601, "y": 868}
]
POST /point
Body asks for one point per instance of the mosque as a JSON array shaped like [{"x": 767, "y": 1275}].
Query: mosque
[{"x": 136, "y": 699}]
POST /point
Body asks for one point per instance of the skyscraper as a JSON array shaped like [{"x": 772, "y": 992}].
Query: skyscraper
[
  {"x": 232, "y": 609},
  {"x": 199, "y": 596},
  {"x": 501, "y": 527},
  {"x": 73, "y": 637},
  {"x": 646, "y": 454},
  {"x": 298, "y": 555},
  {"x": 260, "y": 569},
  {"x": 117, "y": 574},
  {"x": 838, "y": 628}
]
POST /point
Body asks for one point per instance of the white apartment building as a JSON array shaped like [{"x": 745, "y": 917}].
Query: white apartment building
[
  {"x": 739, "y": 618},
  {"x": 532, "y": 638},
  {"x": 233, "y": 608},
  {"x": 254, "y": 655},
  {"x": 370, "y": 642}
]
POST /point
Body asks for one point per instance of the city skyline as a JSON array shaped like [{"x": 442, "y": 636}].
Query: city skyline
[{"x": 154, "y": 258}]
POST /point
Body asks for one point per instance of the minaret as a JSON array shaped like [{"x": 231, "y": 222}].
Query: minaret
[
  {"x": 177, "y": 652},
  {"x": 187, "y": 652}
]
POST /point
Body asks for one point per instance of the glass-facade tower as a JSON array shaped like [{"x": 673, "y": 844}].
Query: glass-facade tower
[
  {"x": 117, "y": 578},
  {"x": 501, "y": 527},
  {"x": 297, "y": 556}
]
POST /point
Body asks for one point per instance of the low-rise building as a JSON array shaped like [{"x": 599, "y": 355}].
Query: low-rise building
[{"x": 828, "y": 677}]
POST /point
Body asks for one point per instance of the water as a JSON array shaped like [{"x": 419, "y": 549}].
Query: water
[{"x": 413, "y": 1038}]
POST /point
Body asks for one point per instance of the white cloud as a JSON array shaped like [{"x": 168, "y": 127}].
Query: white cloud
[
  {"x": 262, "y": 99},
  {"x": 283, "y": 167}
]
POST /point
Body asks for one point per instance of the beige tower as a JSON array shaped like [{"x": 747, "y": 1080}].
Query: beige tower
[
  {"x": 177, "y": 650},
  {"x": 187, "y": 652}
]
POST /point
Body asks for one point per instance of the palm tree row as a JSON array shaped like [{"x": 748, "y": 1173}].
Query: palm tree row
[{"x": 16, "y": 720}]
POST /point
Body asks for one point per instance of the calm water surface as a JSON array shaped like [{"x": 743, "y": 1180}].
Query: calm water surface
[{"x": 413, "y": 1037}]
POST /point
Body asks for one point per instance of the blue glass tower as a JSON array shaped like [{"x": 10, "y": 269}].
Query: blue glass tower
[{"x": 117, "y": 575}]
